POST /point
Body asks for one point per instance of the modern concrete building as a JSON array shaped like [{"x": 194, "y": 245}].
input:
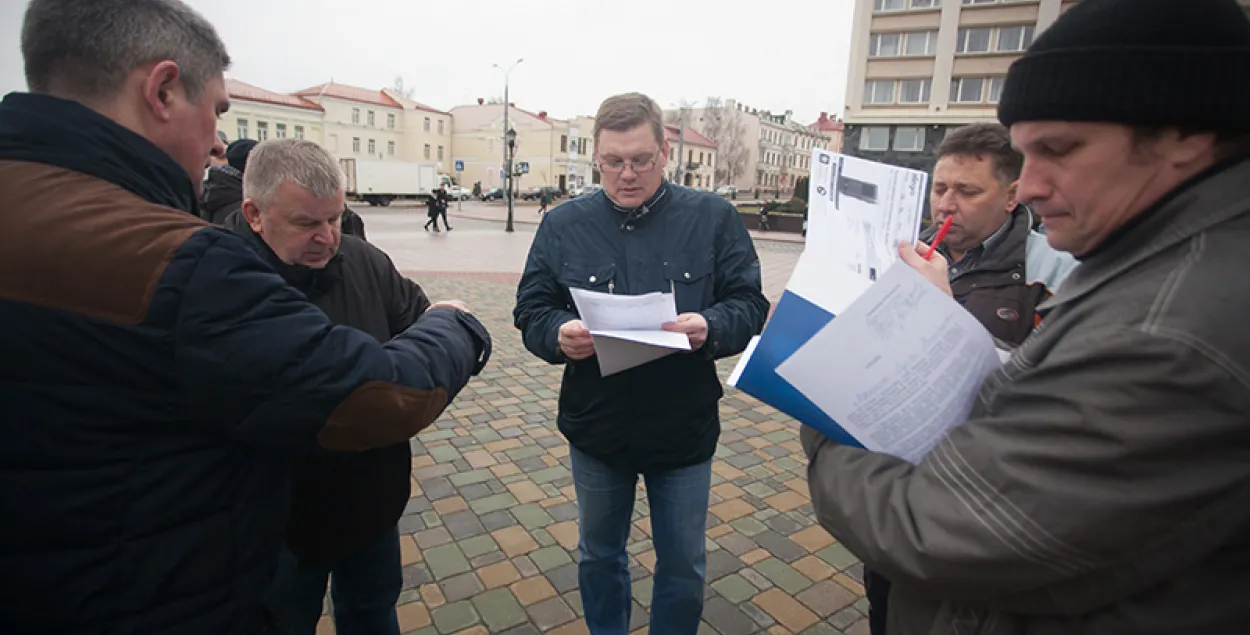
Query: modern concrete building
[{"x": 921, "y": 67}]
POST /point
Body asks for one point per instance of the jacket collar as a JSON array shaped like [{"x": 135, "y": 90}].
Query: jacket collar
[
  {"x": 1209, "y": 199},
  {"x": 311, "y": 282},
  {"x": 1004, "y": 248},
  {"x": 66, "y": 134},
  {"x": 656, "y": 203}
]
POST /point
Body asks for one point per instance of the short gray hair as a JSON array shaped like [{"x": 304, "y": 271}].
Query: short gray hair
[
  {"x": 85, "y": 49},
  {"x": 621, "y": 113},
  {"x": 304, "y": 163}
]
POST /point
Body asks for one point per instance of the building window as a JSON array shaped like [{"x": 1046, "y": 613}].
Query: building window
[
  {"x": 440, "y": 126},
  {"x": 240, "y": 130},
  {"x": 974, "y": 40},
  {"x": 427, "y": 126},
  {"x": 333, "y": 143},
  {"x": 925, "y": 4},
  {"x": 1014, "y": 38},
  {"x": 371, "y": 119},
  {"x": 920, "y": 43},
  {"x": 279, "y": 131},
  {"x": 967, "y": 90},
  {"x": 889, "y": 5},
  {"x": 582, "y": 144},
  {"x": 875, "y": 138},
  {"x": 994, "y": 1},
  {"x": 390, "y": 121},
  {"x": 390, "y": 148},
  {"x": 996, "y": 89},
  {"x": 262, "y": 130},
  {"x": 879, "y": 91},
  {"x": 355, "y": 115},
  {"x": 299, "y": 132},
  {"x": 564, "y": 143},
  {"x": 440, "y": 153},
  {"x": 356, "y": 145},
  {"x": 885, "y": 44},
  {"x": 908, "y": 139},
  {"x": 427, "y": 148},
  {"x": 373, "y": 147},
  {"x": 914, "y": 91}
]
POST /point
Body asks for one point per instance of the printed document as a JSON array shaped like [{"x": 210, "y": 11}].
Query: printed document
[
  {"x": 898, "y": 368},
  {"x": 860, "y": 210},
  {"x": 628, "y": 329}
]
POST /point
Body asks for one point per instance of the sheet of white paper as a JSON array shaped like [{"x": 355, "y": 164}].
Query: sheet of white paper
[
  {"x": 608, "y": 312},
  {"x": 860, "y": 210},
  {"x": 664, "y": 339},
  {"x": 616, "y": 355},
  {"x": 742, "y": 361},
  {"x": 819, "y": 279},
  {"x": 898, "y": 368}
]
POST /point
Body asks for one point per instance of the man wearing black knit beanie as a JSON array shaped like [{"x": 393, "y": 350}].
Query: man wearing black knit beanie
[{"x": 1102, "y": 481}]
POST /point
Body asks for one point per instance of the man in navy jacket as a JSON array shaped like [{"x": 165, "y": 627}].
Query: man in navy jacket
[{"x": 641, "y": 235}]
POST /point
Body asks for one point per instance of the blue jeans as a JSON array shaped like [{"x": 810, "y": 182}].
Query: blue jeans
[
  {"x": 364, "y": 587},
  {"x": 605, "y": 503}
]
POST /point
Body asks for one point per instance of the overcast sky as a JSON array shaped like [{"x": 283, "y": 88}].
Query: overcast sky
[{"x": 775, "y": 54}]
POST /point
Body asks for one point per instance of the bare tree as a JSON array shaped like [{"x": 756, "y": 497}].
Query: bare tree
[
  {"x": 724, "y": 126},
  {"x": 400, "y": 89}
]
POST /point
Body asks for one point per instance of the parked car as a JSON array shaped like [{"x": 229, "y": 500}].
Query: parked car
[
  {"x": 493, "y": 194},
  {"x": 536, "y": 193},
  {"x": 582, "y": 190},
  {"x": 727, "y": 190},
  {"x": 459, "y": 193}
]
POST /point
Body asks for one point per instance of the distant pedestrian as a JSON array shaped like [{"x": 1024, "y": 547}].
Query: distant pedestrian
[
  {"x": 431, "y": 205},
  {"x": 443, "y": 200},
  {"x": 544, "y": 199}
]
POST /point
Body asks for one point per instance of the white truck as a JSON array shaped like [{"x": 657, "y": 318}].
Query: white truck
[{"x": 380, "y": 182}]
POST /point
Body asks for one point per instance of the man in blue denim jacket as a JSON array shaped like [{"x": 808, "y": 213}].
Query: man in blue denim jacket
[{"x": 639, "y": 235}]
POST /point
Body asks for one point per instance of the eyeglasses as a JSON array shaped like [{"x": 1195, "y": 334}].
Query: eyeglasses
[{"x": 639, "y": 167}]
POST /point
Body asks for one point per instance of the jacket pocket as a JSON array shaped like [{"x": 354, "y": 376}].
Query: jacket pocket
[
  {"x": 691, "y": 279},
  {"x": 593, "y": 277}
]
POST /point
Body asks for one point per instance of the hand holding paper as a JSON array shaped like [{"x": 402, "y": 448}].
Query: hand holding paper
[
  {"x": 627, "y": 330},
  {"x": 692, "y": 325},
  {"x": 575, "y": 340},
  {"x": 935, "y": 270}
]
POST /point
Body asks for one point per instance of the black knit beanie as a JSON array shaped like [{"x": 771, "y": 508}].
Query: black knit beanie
[
  {"x": 236, "y": 153},
  {"x": 1183, "y": 63}
]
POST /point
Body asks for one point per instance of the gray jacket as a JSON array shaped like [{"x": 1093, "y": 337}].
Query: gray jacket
[{"x": 1102, "y": 482}]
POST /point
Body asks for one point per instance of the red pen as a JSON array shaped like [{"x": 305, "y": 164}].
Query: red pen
[{"x": 937, "y": 240}]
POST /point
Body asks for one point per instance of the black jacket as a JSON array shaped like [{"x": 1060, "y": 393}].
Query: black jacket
[
  {"x": 223, "y": 194},
  {"x": 156, "y": 377},
  {"x": 662, "y": 414},
  {"x": 341, "y": 502}
]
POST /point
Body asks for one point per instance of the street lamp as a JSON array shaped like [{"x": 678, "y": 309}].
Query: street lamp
[{"x": 509, "y": 140}]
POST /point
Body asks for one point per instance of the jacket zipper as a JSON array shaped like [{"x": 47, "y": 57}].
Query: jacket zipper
[{"x": 611, "y": 286}]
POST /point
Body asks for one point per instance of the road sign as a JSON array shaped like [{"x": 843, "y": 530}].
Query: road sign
[
  {"x": 525, "y": 167},
  {"x": 459, "y": 166}
]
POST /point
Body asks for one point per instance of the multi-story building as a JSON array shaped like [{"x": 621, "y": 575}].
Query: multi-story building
[
  {"x": 558, "y": 152},
  {"x": 698, "y": 165},
  {"x": 256, "y": 113},
  {"x": 832, "y": 129},
  {"x": 379, "y": 125},
  {"x": 921, "y": 67}
]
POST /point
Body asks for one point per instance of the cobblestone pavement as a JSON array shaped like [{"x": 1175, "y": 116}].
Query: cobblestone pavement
[{"x": 490, "y": 534}]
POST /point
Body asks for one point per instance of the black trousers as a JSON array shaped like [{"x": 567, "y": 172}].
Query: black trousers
[{"x": 877, "y": 589}]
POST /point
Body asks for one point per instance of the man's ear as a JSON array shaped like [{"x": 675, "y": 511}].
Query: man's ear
[
  {"x": 251, "y": 213},
  {"x": 161, "y": 87},
  {"x": 1012, "y": 189}
]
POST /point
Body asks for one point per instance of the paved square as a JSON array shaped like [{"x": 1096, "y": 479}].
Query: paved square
[{"x": 490, "y": 534}]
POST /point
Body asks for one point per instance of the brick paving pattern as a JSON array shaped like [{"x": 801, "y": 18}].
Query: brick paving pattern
[{"x": 490, "y": 534}]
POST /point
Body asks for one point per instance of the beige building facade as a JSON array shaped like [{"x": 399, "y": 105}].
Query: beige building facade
[
  {"x": 697, "y": 165},
  {"x": 256, "y": 113},
  {"x": 377, "y": 125},
  {"x": 558, "y": 153}
]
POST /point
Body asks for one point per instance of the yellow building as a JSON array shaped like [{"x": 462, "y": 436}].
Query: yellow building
[
  {"x": 379, "y": 125},
  {"x": 698, "y": 167},
  {"x": 557, "y": 152},
  {"x": 256, "y": 113}
]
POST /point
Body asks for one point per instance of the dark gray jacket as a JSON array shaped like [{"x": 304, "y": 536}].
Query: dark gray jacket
[{"x": 1102, "y": 482}]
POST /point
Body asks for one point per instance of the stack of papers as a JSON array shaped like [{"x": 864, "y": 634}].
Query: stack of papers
[
  {"x": 902, "y": 361},
  {"x": 628, "y": 329}
]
